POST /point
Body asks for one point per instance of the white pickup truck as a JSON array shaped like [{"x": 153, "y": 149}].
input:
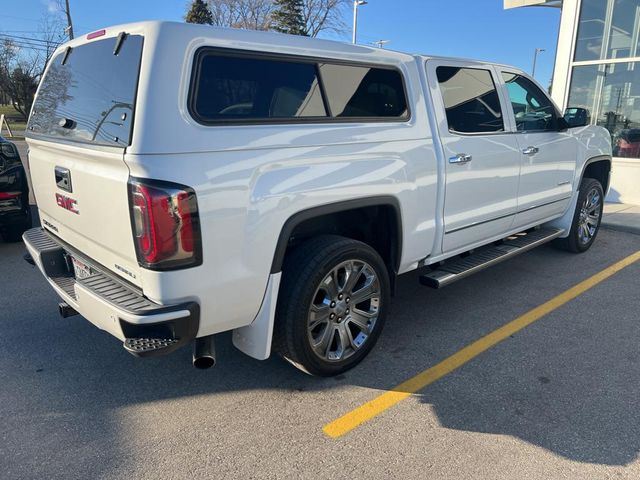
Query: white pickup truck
[{"x": 194, "y": 180}]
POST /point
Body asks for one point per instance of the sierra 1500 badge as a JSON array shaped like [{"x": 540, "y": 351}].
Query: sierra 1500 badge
[{"x": 67, "y": 203}]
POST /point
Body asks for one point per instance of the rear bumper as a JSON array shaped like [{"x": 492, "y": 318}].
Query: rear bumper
[{"x": 146, "y": 328}]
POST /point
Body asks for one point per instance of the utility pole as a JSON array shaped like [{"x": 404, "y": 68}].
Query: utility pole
[
  {"x": 535, "y": 58},
  {"x": 356, "y": 4},
  {"x": 69, "y": 29},
  {"x": 380, "y": 43}
]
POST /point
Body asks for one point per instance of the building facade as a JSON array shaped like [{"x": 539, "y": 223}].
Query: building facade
[{"x": 597, "y": 67}]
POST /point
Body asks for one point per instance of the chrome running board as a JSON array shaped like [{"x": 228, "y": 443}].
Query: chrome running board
[{"x": 458, "y": 268}]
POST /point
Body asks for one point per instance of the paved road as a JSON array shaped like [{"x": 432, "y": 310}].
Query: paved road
[{"x": 560, "y": 399}]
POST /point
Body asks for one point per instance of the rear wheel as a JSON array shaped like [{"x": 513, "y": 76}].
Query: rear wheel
[
  {"x": 586, "y": 219},
  {"x": 332, "y": 305}
]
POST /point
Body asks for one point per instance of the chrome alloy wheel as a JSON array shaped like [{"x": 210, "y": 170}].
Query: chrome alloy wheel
[
  {"x": 344, "y": 310},
  {"x": 589, "y": 216}
]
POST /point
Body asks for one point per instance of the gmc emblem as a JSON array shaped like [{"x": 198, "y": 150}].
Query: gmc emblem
[{"x": 67, "y": 203}]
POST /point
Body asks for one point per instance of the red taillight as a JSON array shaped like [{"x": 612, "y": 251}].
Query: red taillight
[
  {"x": 9, "y": 195},
  {"x": 164, "y": 218},
  {"x": 184, "y": 211}
]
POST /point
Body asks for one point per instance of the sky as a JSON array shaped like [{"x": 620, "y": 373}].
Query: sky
[{"x": 479, "y": 29}]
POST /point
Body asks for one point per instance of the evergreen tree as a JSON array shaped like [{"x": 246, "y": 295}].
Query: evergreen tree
[
  {"x": 199, "y": 13},
  {"x": 287, "y": 17}
]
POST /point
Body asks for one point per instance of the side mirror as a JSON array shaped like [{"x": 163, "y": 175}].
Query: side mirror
[
  {"x": 577, "y": 117},
  {"x": 562, "y": 124}
]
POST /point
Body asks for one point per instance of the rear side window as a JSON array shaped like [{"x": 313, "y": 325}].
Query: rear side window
[
  {"x": 232, "y": 88},
  {"x": 228, "y": 88},
  {"x": 90, "y": 97},
  {"x": 364, "y": 91},
  {"x": 470, "y": 99}
]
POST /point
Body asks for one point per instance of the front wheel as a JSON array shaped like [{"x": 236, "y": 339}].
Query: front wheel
[
  {"x": 586, "y": 219},
  {"x": 332, "y": 305}
]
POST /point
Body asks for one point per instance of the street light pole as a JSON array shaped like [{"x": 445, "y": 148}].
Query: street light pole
[
  {"x": 535, "y": 58},
  {"x": 356, "y": 4},
  {"x": 69, "y": 29}
]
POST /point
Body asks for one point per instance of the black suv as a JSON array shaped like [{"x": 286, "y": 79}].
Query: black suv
[{"x": 15, "y": 214}]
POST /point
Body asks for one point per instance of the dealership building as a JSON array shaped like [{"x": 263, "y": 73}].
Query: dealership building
[{"x": 597, "y": 67}]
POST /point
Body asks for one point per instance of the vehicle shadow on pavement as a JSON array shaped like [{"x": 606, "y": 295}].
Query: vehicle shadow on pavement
[{"x": 567, "y": 383}]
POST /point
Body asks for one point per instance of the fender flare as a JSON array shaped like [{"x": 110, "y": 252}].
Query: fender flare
[
  {"x": 566, "y": 219},
  {"x": 595, "y": 159},
  {"x": 297, "y": 218}
]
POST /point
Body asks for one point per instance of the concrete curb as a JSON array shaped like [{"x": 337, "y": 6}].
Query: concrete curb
[{"x": 622, "y": 218}]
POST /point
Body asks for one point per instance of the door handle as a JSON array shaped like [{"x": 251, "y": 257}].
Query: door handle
[
  {"x": 460, "y": 158},
  {"x": 530, "y": 150}
]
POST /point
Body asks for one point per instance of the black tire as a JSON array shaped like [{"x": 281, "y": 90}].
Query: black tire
[
  {"x": 576, "y": 242},
  {"x": 303, "y": 271}
]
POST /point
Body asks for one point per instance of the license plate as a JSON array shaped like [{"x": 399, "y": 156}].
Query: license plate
[{"x": 81, "y": 270}]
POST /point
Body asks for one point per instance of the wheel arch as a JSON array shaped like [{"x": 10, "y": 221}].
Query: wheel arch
[
  {"x": 332, "y": 211},
  {"x": 598, "y": 167},
  {"x": 601, "y": 166}
]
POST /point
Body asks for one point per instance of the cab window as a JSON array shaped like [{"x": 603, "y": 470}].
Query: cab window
[
  {"x": 470, "y": 100},
  {"x": 531, "y": 107}
]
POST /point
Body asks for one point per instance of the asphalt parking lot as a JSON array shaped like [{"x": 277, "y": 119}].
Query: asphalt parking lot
[{"x": 558, "y": 399}]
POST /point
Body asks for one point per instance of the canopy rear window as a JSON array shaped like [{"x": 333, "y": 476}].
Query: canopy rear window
[{"x": 88, "y": 93}]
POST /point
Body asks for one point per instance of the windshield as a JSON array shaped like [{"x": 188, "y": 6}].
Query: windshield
[{"x": 88, "y": 93}]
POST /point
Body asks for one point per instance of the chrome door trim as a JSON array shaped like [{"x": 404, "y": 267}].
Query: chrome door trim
[{"x": 475, "y": 224}]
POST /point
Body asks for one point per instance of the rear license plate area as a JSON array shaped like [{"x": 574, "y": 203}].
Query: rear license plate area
[{"x": 80, "y": 270}]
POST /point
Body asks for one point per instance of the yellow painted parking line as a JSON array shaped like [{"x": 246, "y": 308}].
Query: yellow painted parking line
[{"x": 375, "y": 407}]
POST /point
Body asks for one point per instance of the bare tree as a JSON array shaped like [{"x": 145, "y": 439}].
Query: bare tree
[
  {"x": 318, "y": 15},
  {"x": 18, "y": 77},
  {"x": 52, "y": 34},
  {"x": 247, "y": 14},
  {"x": 324, "y": 16},
  {"x": 22, "y": 64}
]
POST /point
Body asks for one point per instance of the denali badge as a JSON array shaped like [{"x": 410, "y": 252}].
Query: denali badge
[
  {"x": 50, "y": 225},
  {"x": 67, "y": 203}
]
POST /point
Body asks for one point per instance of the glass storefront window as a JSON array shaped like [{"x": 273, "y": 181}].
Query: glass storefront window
[
  {"x": 619, "y": 110},
  {"x": 611, "y": 93},
  {"x": 608, "y": 29},
  {"x": 623, "y": 33},
  {"x": 583, "y": 88},
  {"x": 591, "y": 30}
]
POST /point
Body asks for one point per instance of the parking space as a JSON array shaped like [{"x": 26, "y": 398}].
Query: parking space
[{"x": 557, "y": 399}]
